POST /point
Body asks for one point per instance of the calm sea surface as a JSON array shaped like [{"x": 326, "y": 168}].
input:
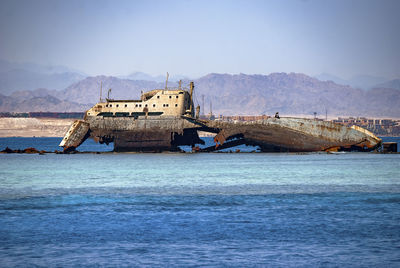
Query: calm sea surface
[{"x": 208, "y": 209}]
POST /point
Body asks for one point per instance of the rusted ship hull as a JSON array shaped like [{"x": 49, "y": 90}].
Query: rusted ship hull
[
  {"x": 271, "y": 135},
  {"x": 296, "y": 135},
  {"x": 130, "y": 134}
]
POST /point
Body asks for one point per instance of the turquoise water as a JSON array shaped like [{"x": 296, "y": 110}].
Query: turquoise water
[{"x": 184, "y": 209}]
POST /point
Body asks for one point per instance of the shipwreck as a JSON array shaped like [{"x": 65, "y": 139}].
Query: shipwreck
[{"x": 164, "y": 119}]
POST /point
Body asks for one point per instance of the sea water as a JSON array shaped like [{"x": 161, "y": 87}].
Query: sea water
[{"x": 188, "y": 209}]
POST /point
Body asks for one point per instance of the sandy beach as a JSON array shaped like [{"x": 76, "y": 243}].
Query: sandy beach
[
  {"x": 43, "y": 127},
  {"x": 34, "y": 127}
]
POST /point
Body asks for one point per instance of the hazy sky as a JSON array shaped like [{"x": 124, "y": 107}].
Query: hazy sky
[{"x": 194, "y": 38}]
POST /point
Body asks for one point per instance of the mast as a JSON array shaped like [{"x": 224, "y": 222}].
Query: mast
[
  {"x": 211, "y": 109},
  {"x": 101, "y": 89},
  {"x": 166, "y": 82},
  {"x": 191, "y": 97},
  {"x": 202, "y": 105}
]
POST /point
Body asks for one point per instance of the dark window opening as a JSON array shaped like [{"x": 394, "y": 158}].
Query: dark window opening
[
  {"x": 105, "y": 114},
  {"x": 126, "y": 105},
  {"x": 119, "y": 114},
  {"x": 154, "y": 113}
]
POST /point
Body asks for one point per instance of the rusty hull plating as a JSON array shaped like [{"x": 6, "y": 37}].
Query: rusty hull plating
[
  {"x": 296, "y": 135},
  {"x": 163, "y": 120}
]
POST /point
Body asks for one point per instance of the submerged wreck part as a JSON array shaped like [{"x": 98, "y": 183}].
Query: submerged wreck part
[
  {"x": 296, "y": 135},
  {"x": 389, "y": 147},
  {"x": 164, "y": 119}
]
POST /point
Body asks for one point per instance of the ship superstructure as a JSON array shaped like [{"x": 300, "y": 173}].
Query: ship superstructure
[{"x": 153, "y": 103}]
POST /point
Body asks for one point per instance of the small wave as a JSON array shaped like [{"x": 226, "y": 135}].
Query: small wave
[
  {"x": 395, "y": 200},
  {"x": 234, "y": 190}
]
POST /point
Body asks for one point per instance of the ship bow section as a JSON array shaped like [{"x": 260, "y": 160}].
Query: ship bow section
[
  {"x": 77, "y": 133},
  {"x": 296, "y": 135}
]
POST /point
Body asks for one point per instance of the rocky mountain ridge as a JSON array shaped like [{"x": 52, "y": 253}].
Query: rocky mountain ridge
[{"x": 240, "y": 94}]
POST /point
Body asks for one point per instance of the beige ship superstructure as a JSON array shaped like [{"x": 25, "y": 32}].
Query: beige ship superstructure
[{"x": 153, "y": 103}]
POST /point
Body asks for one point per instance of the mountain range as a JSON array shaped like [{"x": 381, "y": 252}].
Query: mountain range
[
  {"x": 30, "y": 76},
  {"x": 157, "y": 78},
  {"x": 293, "y": 94},
  {"x": 357, "y": 81}
]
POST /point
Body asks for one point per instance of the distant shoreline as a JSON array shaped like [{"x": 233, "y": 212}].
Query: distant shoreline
[
  {"x": 34, "y": 127},
  {"x": 50, "y": 127},
  {"x": 41, "y": 127}
]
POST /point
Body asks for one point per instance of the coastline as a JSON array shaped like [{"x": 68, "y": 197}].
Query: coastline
[
  {"x": 34, "y": 127},
  {"x": 53, "y": 127},
  {"x": 43, "y": 127}
]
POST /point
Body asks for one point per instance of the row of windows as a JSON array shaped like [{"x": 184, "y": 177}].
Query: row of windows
[
  {"x": 166, "y": 105},
  {"x": 139, "y": 105},
  {"x": 125, "y": 114},
  {"x": 169, "y": 97},
  {"x": 117, "y": 105}
]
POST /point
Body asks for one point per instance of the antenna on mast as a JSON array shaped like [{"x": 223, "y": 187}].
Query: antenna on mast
[
  {"x": 108, "y": 93},
  {"x": 202, "y": 104},
  {"x": 101, "y": 89},
  {"x": 166, "y": 82},
  {"x": 191, "y": 98}
]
